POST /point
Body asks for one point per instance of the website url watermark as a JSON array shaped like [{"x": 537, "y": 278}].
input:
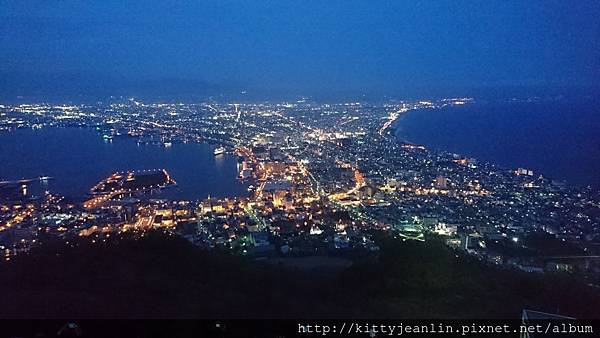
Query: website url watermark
[{"x": 400, "y": 329}]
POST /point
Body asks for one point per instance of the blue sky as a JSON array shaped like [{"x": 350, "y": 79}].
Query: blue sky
[{"x": 300, "y": 46}]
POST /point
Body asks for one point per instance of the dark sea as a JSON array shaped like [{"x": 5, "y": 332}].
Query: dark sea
[
  {"x": 77, "y": 158},
  {"x": 558, "y": 138}
]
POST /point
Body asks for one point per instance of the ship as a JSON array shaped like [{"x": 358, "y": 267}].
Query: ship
[{"x": 219, "y": 151}]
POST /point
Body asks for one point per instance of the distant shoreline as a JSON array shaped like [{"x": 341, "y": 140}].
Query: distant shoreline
[{"x": 530, "y": 143}]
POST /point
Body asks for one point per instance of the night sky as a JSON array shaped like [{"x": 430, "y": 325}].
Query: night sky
[{"x": 296, "y": 47}]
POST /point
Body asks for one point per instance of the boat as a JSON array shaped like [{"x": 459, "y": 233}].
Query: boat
[{"x": 219, "y": 151}]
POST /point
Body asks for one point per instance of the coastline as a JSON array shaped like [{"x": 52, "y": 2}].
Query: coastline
[
  {"x": 78, "y": 158},
  {"x": 447, "y": 129}
]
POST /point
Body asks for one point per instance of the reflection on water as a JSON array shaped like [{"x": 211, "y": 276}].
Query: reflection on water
[{"x": 76, "y": 159}]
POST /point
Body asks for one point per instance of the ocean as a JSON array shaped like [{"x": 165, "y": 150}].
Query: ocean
[{"x": 558, "y": 138}]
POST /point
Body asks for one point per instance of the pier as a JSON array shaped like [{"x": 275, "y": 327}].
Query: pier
[{"x": 26, "y": 180}]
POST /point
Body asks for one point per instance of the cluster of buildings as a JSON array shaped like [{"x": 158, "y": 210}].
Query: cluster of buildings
[{"x": 324, "y": 178}]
